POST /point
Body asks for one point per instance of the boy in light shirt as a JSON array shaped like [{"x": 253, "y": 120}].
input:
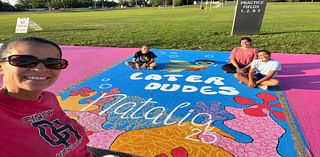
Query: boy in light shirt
[{"x": 263, "y": 71}]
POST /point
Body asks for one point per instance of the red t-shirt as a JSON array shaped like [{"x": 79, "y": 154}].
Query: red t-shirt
[
  {"x": 244, "y": 56},
  {"x": 39, "y": 129}
]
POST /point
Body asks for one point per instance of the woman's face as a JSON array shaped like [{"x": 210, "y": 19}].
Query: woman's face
[
  {"x": 245, "y": 43},
  {"x": 36, "y": 78},
  {"x": 264, "y": 56}
]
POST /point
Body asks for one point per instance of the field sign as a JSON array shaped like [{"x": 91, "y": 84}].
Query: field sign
[
  {"x": 24, "y": 23},
  {"x": 248, "y": 17}
]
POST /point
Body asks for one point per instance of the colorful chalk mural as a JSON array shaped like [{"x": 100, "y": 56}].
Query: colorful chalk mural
[{"x": 186, "y": 107}]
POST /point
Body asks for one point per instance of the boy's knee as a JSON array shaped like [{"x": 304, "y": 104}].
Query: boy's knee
[{"x": 153, "y": 64}]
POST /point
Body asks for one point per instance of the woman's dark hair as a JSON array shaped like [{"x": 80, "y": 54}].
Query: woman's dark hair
[
  {"x": 31, "y": 39},
  {"x": 245, "y": 38},
  {"x": 268, "y": 52}
]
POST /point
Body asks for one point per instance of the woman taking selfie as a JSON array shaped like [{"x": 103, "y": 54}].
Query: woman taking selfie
[{"x": 33, "y": 124}]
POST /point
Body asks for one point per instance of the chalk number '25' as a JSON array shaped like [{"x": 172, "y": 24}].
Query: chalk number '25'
[{"x": 204, "y": 134}]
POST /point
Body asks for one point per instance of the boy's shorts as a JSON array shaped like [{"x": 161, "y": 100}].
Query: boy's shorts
[{"x": 258, "y": 76}]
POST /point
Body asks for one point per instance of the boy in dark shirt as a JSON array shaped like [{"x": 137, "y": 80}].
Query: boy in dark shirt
[{"x": 143, "y": 59}]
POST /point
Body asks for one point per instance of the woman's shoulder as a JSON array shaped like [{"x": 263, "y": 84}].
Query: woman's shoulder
[
  {"x": 48, "y": 94},
  {"x": 236, "y": 48}
]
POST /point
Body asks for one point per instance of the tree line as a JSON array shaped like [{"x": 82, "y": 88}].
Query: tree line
[{"x": 24, "y": 5}]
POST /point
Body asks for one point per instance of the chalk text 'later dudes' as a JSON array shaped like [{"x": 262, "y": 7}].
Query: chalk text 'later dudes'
[{"x": 212, "y": 85}]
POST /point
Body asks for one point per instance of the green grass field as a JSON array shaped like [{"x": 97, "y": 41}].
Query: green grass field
[{"x": 287, "y": 27}]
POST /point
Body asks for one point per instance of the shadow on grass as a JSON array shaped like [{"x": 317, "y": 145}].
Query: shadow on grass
[
  {"x": 309, "y": 81},
  {"x": 286, "y": 32},
  {"x": 89, "y": 9}
]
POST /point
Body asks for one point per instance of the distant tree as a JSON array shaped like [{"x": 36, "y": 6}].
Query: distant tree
[
  {"x": 25, "y": 4},
  {"x": 105, "y": 3},
  {"x": 123, "y": 2},
  {"x": 48, "y": 5},
  {"x": 20, "y": 7},
  {"x": 155, "y": 3},
  {"x": 177, "y": 2},
  {"x": 38, "y": 3},
  {"x": 56, "y": 4},
  {"x": 6, "y": 6}
]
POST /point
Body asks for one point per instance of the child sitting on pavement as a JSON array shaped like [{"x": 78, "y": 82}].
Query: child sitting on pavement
[
  {"x": 143, "y": 59},
  {"x": 263, "y": 72},
  {"x": 241, "y": 57}
]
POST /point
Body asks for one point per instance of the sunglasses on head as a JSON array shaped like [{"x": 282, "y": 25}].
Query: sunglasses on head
[{"x": 28, "y": 61}]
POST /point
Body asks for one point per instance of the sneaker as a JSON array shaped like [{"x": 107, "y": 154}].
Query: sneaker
[{"x": 263, "y": 87}]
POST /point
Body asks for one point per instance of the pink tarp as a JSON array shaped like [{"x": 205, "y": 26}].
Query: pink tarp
[
  {"x": 85, "y": 62},
  {"x": 300, "y": 80}
]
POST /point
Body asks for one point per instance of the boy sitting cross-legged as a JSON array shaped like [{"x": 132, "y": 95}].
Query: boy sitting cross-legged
[
  {"x": 143, "y": 59},
  {"x": 262, "y": 73}
]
